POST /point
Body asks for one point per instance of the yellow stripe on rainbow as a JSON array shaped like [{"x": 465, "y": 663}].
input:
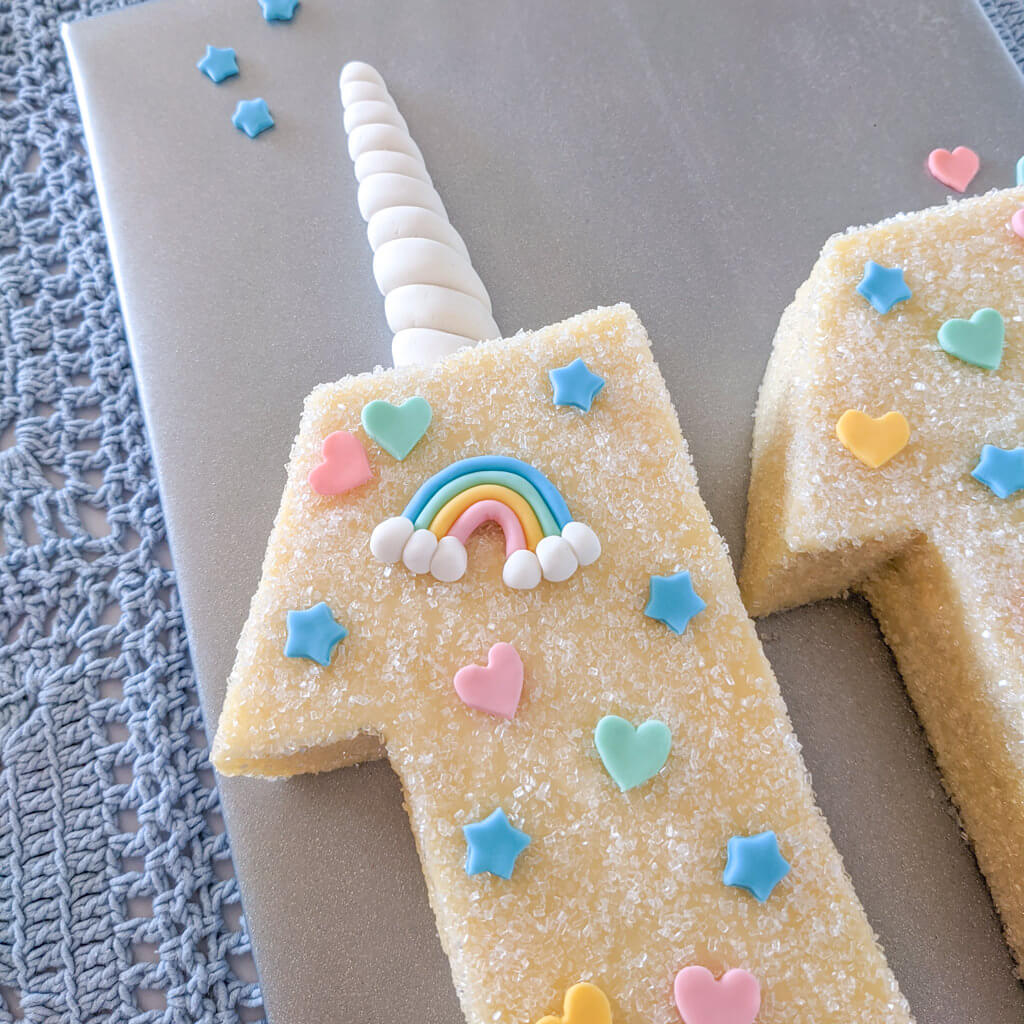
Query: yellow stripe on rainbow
[{"x": 451, "y": 510}]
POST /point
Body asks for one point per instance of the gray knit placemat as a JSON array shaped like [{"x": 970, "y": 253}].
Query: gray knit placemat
[
  {"x": 1007, "y": 17},
  {"x": 117, "y": 898}
]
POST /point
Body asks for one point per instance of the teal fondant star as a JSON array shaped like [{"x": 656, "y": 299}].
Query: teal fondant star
[
  {"x": 279, "y": 10},
  {"x": 218, "y": 63},
  {"x": 882, "y": 286},
  {"x": 755, "y": 864},
  {"x": 1001, "y": 470},
  {"x": 575, "y": 385},
  {"x": 252, "y": 117},
  {"x": 673, "y": 601},
  {"x": 493, "y": 845},
  {"x": 313, "y": 634}
]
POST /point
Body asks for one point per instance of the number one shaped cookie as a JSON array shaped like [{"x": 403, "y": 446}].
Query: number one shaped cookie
[
  {"x": 524, "y": 603},
  {"x": 887, "y": 459}
]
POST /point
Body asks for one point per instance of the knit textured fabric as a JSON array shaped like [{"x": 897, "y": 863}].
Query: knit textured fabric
[
  {"x": 117, "y": 897},
  {"x": 1007, "y": 17}
]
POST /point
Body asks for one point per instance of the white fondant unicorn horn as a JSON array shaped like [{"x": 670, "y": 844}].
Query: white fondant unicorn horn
[{"x": 434, "y": 300}]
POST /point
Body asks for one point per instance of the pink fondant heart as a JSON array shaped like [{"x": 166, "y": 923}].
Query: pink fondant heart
[
  {"x": 735, "y": 999},
  {"x": 495, "y": 689},
  {"x": 1017, "y": 222},
  {"x": 956, "y": 169},
  {"x": 345, "y": 465}
]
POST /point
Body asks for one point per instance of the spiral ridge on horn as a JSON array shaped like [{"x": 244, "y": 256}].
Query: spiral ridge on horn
[{"x": 434, "y": 300}]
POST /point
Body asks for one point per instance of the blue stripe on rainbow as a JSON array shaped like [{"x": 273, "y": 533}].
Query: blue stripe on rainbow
[{"x": 480, "y": 463}]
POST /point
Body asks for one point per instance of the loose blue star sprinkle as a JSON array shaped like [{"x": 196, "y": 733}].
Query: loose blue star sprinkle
[
  {"x": 493, "y": 845},
  {"x": 313, "y": 633},
  {"x": 673, "y": 601},
  {"x": 755, "y": 864},
  {"x": 575, "y": 385},
  {"x": 1001, "y": 470},
  {"x": 279, "y": 10},
  {"x": 882, "y": 286},
  {"x": 218, "y": 63},
  {"x": 252, "y": 117}
]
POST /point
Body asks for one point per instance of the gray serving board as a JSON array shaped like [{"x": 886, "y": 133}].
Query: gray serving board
[{"x": 690, "y": 158}]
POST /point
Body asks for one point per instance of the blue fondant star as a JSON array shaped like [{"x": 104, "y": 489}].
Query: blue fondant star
[
  {"x": 755, "y": 864},
  {"x": 279, "y": 10},
  {"x": 252, "y": 117},
  {"x": 575, "y": 385},
  {"x": 673, "y": 601},
  {"x": 1001, "y": 470},
  {"x": 882, "y": 286},
  {"x": 493, "y": 845},
  {"x": 1020, "y": 171},
  {"x": 218, "y": 63},
  {"x": 313, "y": 633}
]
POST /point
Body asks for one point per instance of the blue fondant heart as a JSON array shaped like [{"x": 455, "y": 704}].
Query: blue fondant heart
[{"x": 397, "y": 428}]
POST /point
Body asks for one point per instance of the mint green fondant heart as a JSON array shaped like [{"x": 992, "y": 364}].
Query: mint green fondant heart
[
  {"x": 632, "y": 756},
  {"x": 978, "y": 341},
  {"x": 397, "y": 428}
]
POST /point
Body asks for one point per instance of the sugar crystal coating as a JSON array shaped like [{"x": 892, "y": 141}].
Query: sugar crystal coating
[
  {"x": 938, "y": 554},
  {"x": 622, "y": 889}
]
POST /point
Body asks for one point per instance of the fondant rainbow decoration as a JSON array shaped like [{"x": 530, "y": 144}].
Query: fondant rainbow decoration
[{"x": 542, "y": 541}]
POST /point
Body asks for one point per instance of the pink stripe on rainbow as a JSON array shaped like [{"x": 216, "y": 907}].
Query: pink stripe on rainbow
[{"x": 490, "y": 511}]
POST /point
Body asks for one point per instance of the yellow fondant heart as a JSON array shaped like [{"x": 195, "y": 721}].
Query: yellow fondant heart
[
  {"x": 584, "y": 1004},
  {"x": 873, "y": 441}
]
